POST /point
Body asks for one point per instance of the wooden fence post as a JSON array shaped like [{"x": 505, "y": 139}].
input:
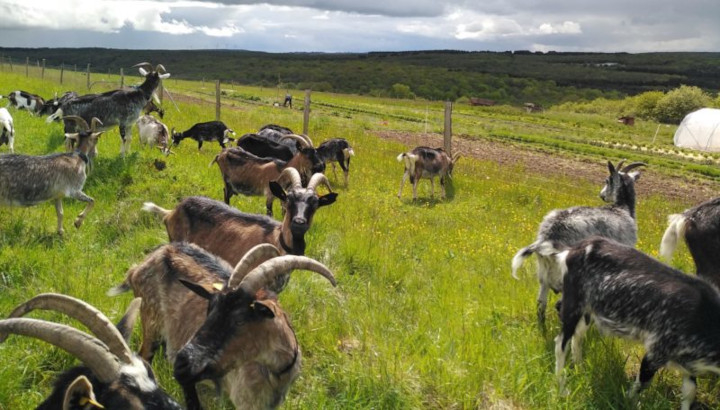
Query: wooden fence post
[
  {"x": 88, "y": 76},
  {"x": 10, "y": 61},
  {"x": 448, "y": 128},
  {"x": 217, "y": 100},
  {"x": 42, "y": 73},
  {"x": 122, "y": 77},
  {"x": 27, "y": 66},
  {"x": 306, "y": 113},
  {"x": 62, "y": 72}
]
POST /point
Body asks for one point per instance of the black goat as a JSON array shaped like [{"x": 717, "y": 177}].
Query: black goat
[
  {"x": 336, "y": 149},
  {"x": 629, "y": 294},
  {"x": 700, "y": 226},
  {"x": 267, "y": 148},
  {"x": 205, "y": 131},
  {"x": 112, "y": 375},
  {"x": 285, "y": 136},
  {"x": 119, "y": 107},
  {"x": 53, "y": 105}
]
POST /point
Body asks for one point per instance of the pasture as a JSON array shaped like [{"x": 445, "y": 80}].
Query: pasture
[{"x": 425, "y": 314}]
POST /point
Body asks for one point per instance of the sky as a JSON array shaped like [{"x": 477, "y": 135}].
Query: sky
[{"x": 633, "y": 26}]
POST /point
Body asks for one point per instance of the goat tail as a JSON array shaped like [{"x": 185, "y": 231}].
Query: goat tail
[
  {"x": 409, "y": 160},
  {"x": 53, "y": 117},
  {"x": 675, "y": 230},
  {"x": 119, "y": 289},
  {"x": 151, "y": 207},
  {"x": 520, "y": 257}
]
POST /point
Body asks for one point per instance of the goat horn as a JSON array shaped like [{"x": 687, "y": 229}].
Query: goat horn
[
  {"x": 316, "y": 179},
  {"x": 145, "y": 64},
  {"x": 78, "y": 120},
  {"x": 94, "y": 123},
  {"x": 300, "y": 139},
  {"x": 86, "y": 314},
  {"x": 253, "y": 257},
  {"x": 293, "y": 175},
  {"x": 455, "y": 157},
  {"x": 632, "y": 166},
  {"x": 619, "y": 165},
  {"x": 160, "y": 67},
  {"x": 267, "y": 273},
  {"x": 307, "y": 139},
  {"x": 91, "y": 351}
]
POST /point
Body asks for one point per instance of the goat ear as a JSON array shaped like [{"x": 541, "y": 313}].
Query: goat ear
[
  {"x": 164, "y": 76},
  {"x": 204, "y": 290},
  {"x": 261, "y": 308},
  {"x": 73, "y": 136},
  {"x": 635, "y": 175},
  {"x": 143, "y": 72},
  {"x": 277, "y": 190},
  {"x": 327, "y": 199}
]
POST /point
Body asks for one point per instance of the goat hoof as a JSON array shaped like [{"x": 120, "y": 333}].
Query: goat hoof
[{"x": 78, "y": 222}]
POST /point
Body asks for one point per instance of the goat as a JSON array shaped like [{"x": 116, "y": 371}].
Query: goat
[
  {"x": 119, "y": 107},
  {"x": 631, "y": 295},
  {"x": 247, "y": 174},
  {"x": 154, "y": 133},
  {"x": 24, "y": 100},
  {"x": 337, "y": 149},
  {"x": 205, "y": 131},
  {"x": 285, "y": 136},
  {"x": 561, "y": 228},
  {"x": 265, "y": 148},
  {"x": 700, "y": 226},
  {"x": 220, "y": 323},
  {"x": 51, "y": 106},
  {"x": 151, "y": 107},
  {"x": 7, "y": 129},
  {"x": 229, "y": 233},
  {"x": 27, "y": 180},
  {"x": 425, "y": 162},
  {"x": 112, "y": 376}
]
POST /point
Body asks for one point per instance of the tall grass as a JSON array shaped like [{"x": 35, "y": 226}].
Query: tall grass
[{"x": 425, "y": 314}]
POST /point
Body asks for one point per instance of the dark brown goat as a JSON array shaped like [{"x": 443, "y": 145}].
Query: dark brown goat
[{"x": 425, "y": 162}]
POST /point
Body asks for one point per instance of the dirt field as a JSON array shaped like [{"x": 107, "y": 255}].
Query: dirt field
[{"x": 691, "y": 191}]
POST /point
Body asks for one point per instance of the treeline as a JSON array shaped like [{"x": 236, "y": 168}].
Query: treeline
[{"x": 505, "y": 77}]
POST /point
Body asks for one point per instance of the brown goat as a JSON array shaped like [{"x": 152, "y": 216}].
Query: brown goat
[
  {"x": 247, "y": 174},
  {"x": 425, "y": 162},
  {"x": 229, "y": 233},
  {"x": 221, "y": 324}
]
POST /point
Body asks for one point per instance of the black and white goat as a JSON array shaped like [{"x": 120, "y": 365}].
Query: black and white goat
[
  {"x": 24, "y": 100},
  {"x": 112, "y": 377},
  {"x": 700, "y": 226},
  {"x": 119, "y": 107},
  {"x": 27, "y": 180},
  {"x": 426, "y": 162},
  {"x": 336, "y": 150},
  {"x": 152, "y": 132},
  {"x": 7, "y": 129},
  {"x": 205, "y": 131},
  {"x": 562, "y": 228},
  {"x": 631, "y": 295}
]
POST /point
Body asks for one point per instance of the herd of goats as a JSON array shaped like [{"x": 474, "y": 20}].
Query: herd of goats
[{"x": 209, "y": 296}]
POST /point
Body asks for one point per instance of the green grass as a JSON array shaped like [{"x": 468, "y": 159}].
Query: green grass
[{"x": 425, "y": 314}]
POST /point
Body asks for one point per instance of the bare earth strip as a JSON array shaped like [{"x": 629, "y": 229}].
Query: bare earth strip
[{"x": 672, "y": 187}]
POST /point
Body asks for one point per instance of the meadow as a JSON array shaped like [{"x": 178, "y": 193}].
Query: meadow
[{"x": 425, "y": 314}]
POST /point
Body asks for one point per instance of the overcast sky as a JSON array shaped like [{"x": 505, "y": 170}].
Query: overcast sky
[{"x": 365, "y": 25}]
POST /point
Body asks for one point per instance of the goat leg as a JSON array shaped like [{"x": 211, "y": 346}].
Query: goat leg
[
  {"x": 81, "y": 196},
  {"x": 59, "y": 211}
]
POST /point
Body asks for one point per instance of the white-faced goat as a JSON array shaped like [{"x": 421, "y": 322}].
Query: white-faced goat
[
  {"x": 219, "y": 323},
  {"x": 337, "y": 150},
  {"x": 425, "y": 162},
  {"x": 631, "y": 295},
  {"x": 562, "y": 228},
  {"x": 112, "y": 377},
  {"x": 700, "y": 226},
  {"x": 205, "y": 131},
  {"x": 7, "y": 129},
  {"x": 247, "y": 174},
  {"x": 24, "y": 100},
  {"x": 229, "y": 233},
  {"x": 27, "y": 180},
  {"x": 152, "y": 132},
  {"x": 119, "y": 107}
]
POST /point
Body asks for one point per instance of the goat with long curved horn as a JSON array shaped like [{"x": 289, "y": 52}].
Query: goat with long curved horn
[
  {"x": 318, "y": 179},
  {"x": 267, "y": 272}
]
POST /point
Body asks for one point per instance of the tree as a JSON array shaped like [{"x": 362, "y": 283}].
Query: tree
[
  {"x": 399, "y": 90},
  {"x": 677, "y": 103}
]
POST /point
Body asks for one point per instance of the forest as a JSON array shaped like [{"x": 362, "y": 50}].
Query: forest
[{"x": 512, "y": 77}]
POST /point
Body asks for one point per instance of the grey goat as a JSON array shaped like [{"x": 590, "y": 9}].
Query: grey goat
[
  {"x": 27, "y": 180},
  {"x": 119, "y": 107},
  {"x": 562, "y": 228}
]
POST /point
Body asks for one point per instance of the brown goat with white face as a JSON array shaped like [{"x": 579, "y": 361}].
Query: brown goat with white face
[
  {"x": 425, "y": 162},
  {"x": 229, "y": 233},
  {"x": 247, "y": 174},
  {"x": 219, "y": 323}
]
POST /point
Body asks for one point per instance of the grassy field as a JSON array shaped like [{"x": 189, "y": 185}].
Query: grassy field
[{"x": 425, "y": 314}]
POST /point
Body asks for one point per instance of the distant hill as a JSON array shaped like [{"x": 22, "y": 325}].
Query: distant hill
[{"x": 505, "y": 77}]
